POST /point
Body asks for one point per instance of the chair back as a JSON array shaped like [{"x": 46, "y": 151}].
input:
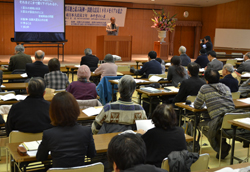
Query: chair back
[
  {"x": 236, "y": 76},
  {"x": 123, "y": 68},
  {"x": 96, "y": 167},
  {"x": 17, "y": 136},
  {"x": 231, "y": 61},
  {"x": 200, "y": 164},
  {"x": 231, "y": 116},
  {"x": 236, "y": 95},
  {"x": 160, "y": 75},
  {"x": 191, "y": 98}
]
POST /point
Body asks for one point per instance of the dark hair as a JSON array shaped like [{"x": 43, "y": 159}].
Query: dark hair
[
  {"x": 159, "y": 60},
  {"x": 203, "y": 51},
  {"x": 64, "y": 110},
  {"x": 212, "y": 53},
  {"x": 212, "y": 76},
  {"x": 164, "y": 116},
  {"x": 54, "y": 64},
  {"x": 193, "y": 68},
  {"x": 152, "y": 54},
  {"x": 176, "y": 60},
  {"x": 208, "y": 38},
  {"x": 126, "y": 150},
  {"x": 36, "y": 87}
]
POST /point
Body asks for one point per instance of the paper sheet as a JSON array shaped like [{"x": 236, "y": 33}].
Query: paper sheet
[
  {"x": 202, "y": 70},
  {"x": 77, "y": 66},
  {"x": 24, "y": 75},
  {"x": 144, "y": 124},
  {"x": 92, "y": 111},
  {"x": 2, "y": 86},
  {"x": 172, "y": 88},
  {"x": 247, "y": 100},
  {"x": 243, "y": 120},
  {"x": 228, "y": 169},
  {"x": 245, "y": 75},
  {"x": 140, "y": 80},
  {"x": 239, "y": 59},
  {"x": 168, "y": 64}
]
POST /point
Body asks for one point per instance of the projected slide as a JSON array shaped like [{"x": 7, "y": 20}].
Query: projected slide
[{"x": 39, "y": 15}]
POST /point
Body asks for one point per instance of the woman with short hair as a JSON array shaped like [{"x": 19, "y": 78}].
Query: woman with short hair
[
  {"x": 83, "y": 89},
  {"x": 165, "y": 137},
  {"x": 68, "y": 141}
]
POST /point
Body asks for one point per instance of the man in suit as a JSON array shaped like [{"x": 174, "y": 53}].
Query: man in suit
[
  {"x": 245, "y": 66},
  {"x": 90, "y": 60},
  {"x": 19, "y": 60},
  {"x": 112, "y": 28},
  {"x": 32, "y": 114},
  {"x": 228, "y": 79},
  {"x": 202, "y": 59},
  {"x": 37, "y": 69},
  {"x": 185, "y": 59},
  {"x": 190, "y": 86},
  {"x": 151, "y": 67},
  {"x": 214, "y": 64}
]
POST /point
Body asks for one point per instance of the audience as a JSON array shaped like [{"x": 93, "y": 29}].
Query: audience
[
  {"x": 19, "y": 60},
  {"x": 185, "y": 59},
  {"x": 176, "y": 72},
  {"x": 55, "y": 79},
  {"x": 207, "y": 44},
  {"x": 37, "y": 69},
  {"x": 218, "y": 99},
  {"x": 120, "y": 115},
  {"x": 163, "y": 68},
  {"x": 127, "y": 153},
  {"x": 214, "y": 64},
  {"x": 202, "y": 59},
  {"x": 32, "y": 114},
  {"x": 191, "y": 86},
  {"x": 228, "y": 79},
  {"x": 245, "y": 66},
  {"x": 165, "y": 137},
  {"x": 109, "y": 68},
  {"x": 83, "y": 89},
  {"x": 90, "y": 60},
  {"x": 68, "y": 141},
  {"x": 151, "y": 67},
  {"x": 244, "y": 88}
]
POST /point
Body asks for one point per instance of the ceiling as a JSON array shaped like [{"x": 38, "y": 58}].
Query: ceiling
[{"x": 190, "y": 3}]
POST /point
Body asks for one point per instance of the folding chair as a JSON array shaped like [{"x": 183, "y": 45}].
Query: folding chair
[{"x": 96, "y": 167}]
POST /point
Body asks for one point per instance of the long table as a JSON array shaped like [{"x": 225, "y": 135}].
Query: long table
[
  {"x": 14, "y": 86},
  {"x": 13, "y": 76}
]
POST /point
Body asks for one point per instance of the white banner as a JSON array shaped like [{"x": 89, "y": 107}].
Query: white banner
[{"x": 82, "y": 15}]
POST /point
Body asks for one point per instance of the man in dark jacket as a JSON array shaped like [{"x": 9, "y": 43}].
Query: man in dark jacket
[
  {"x": 228, "y": 79},
  {"x": 127, "y": 153},
  {"x": 90, "y": 60},
  {"x": 245, "y": 66},
  {"x": 32, "y": 114},
  {"x": 190, "y": 86},
  {"x": 185, "y": 59},
  {"x": 202, "y": 59}
]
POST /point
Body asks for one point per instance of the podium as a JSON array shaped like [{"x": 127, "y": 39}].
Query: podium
[
  {"x": 115, "y": 45},
  {"x": 162, "y": 49}
]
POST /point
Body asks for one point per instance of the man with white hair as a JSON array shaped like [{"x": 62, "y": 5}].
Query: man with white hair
[
  {"x": 245, "y": 66},
  {"x": 37, "y": 69},
  {"x": 185, "y": 59},
  {"x": 90, "y": 60},
  {"x": 19, "y": 60},
  {"x": 228, "y": 79}
]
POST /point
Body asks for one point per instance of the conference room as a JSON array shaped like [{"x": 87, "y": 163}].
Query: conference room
[{"x": 93, "y": 44}]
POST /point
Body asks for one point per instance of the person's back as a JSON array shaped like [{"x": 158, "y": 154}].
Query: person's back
[
  {"x": 185, "y": 59},
  {"x": 109, "y": 68},
  {"x": 202, "y": 59},
  {"x": 90, "y": 60},
  {"x": 214, "y": 64},
  {"x": 228, "y": 79},
  {"x": 245, "y": 66}
]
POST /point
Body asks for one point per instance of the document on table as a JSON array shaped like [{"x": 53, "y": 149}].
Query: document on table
[
  {"x": 168, "y": 64},
  {"x": 92, "y": 111},
  {"x": 202, "y": 70},
  {"x": 155, "y": 78},
  {"x": 246, "y": 100},
  {"x": 144, "y": 124},
  {"x": 140, "y": 80},
  {"x": 31, "y": 146},
  {"x": 24, "y": 75},
  {"x": 77, "y": 66},
  {"x": 239, "y": 59},
  {"x": 171, "y": 89},
  {"x": 228, "y": 169},
  {"x": 245, "y": 75},
  {"x": 2, "y": 86},
  {"x": 243, "y": 120}
]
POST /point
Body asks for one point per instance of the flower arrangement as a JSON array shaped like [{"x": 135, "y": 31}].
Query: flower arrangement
[{"x": 163, "y": 22}]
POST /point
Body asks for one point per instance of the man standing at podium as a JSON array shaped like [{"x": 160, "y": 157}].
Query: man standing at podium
[{"x": 112, "y": 28}]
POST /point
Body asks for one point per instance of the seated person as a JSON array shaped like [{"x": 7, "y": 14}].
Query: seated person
[
  {"x": 109, "y": 68},
  {"x": 127, "y": 153},
  {"x": 185, "y": 59},
  {"x": 202, "y": 59},
  {"x": 191, "y": 86},
  {"x": 55, "y": 79},
  {"x": 69, "y": 142},
  {"x": 37, "y": 69},
  {"x": 163, "y": 68},
  {"x": 121, "y": 113},
  {"x": 214, "y": 64},
  {"x": 176, "y": 72},
  {"x": 218, "y": 99},
  {"x": 166, "y": 135},
  {"x": 228, "y": 79},
  {"x": 244, "y": 88},
  {"x": 90, "y": 60},
  {"x": 32, "y": 114},
  {"x": 245, "y": 66},
  {"x": 83, "y": 89},
  {"x": 151, "y": 67}
]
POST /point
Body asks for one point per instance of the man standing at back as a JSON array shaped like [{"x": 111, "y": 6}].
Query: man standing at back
[
  {"x": 90, "y": 60},
  {"x": 19, "y": 60},
  {"x": 32, "y": 114},
  {"x": 185, "y": 59},
  {"x": 37, "y": 69}
]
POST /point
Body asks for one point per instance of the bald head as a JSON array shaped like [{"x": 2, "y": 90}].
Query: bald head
[{"x": 39, "y": 55}]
